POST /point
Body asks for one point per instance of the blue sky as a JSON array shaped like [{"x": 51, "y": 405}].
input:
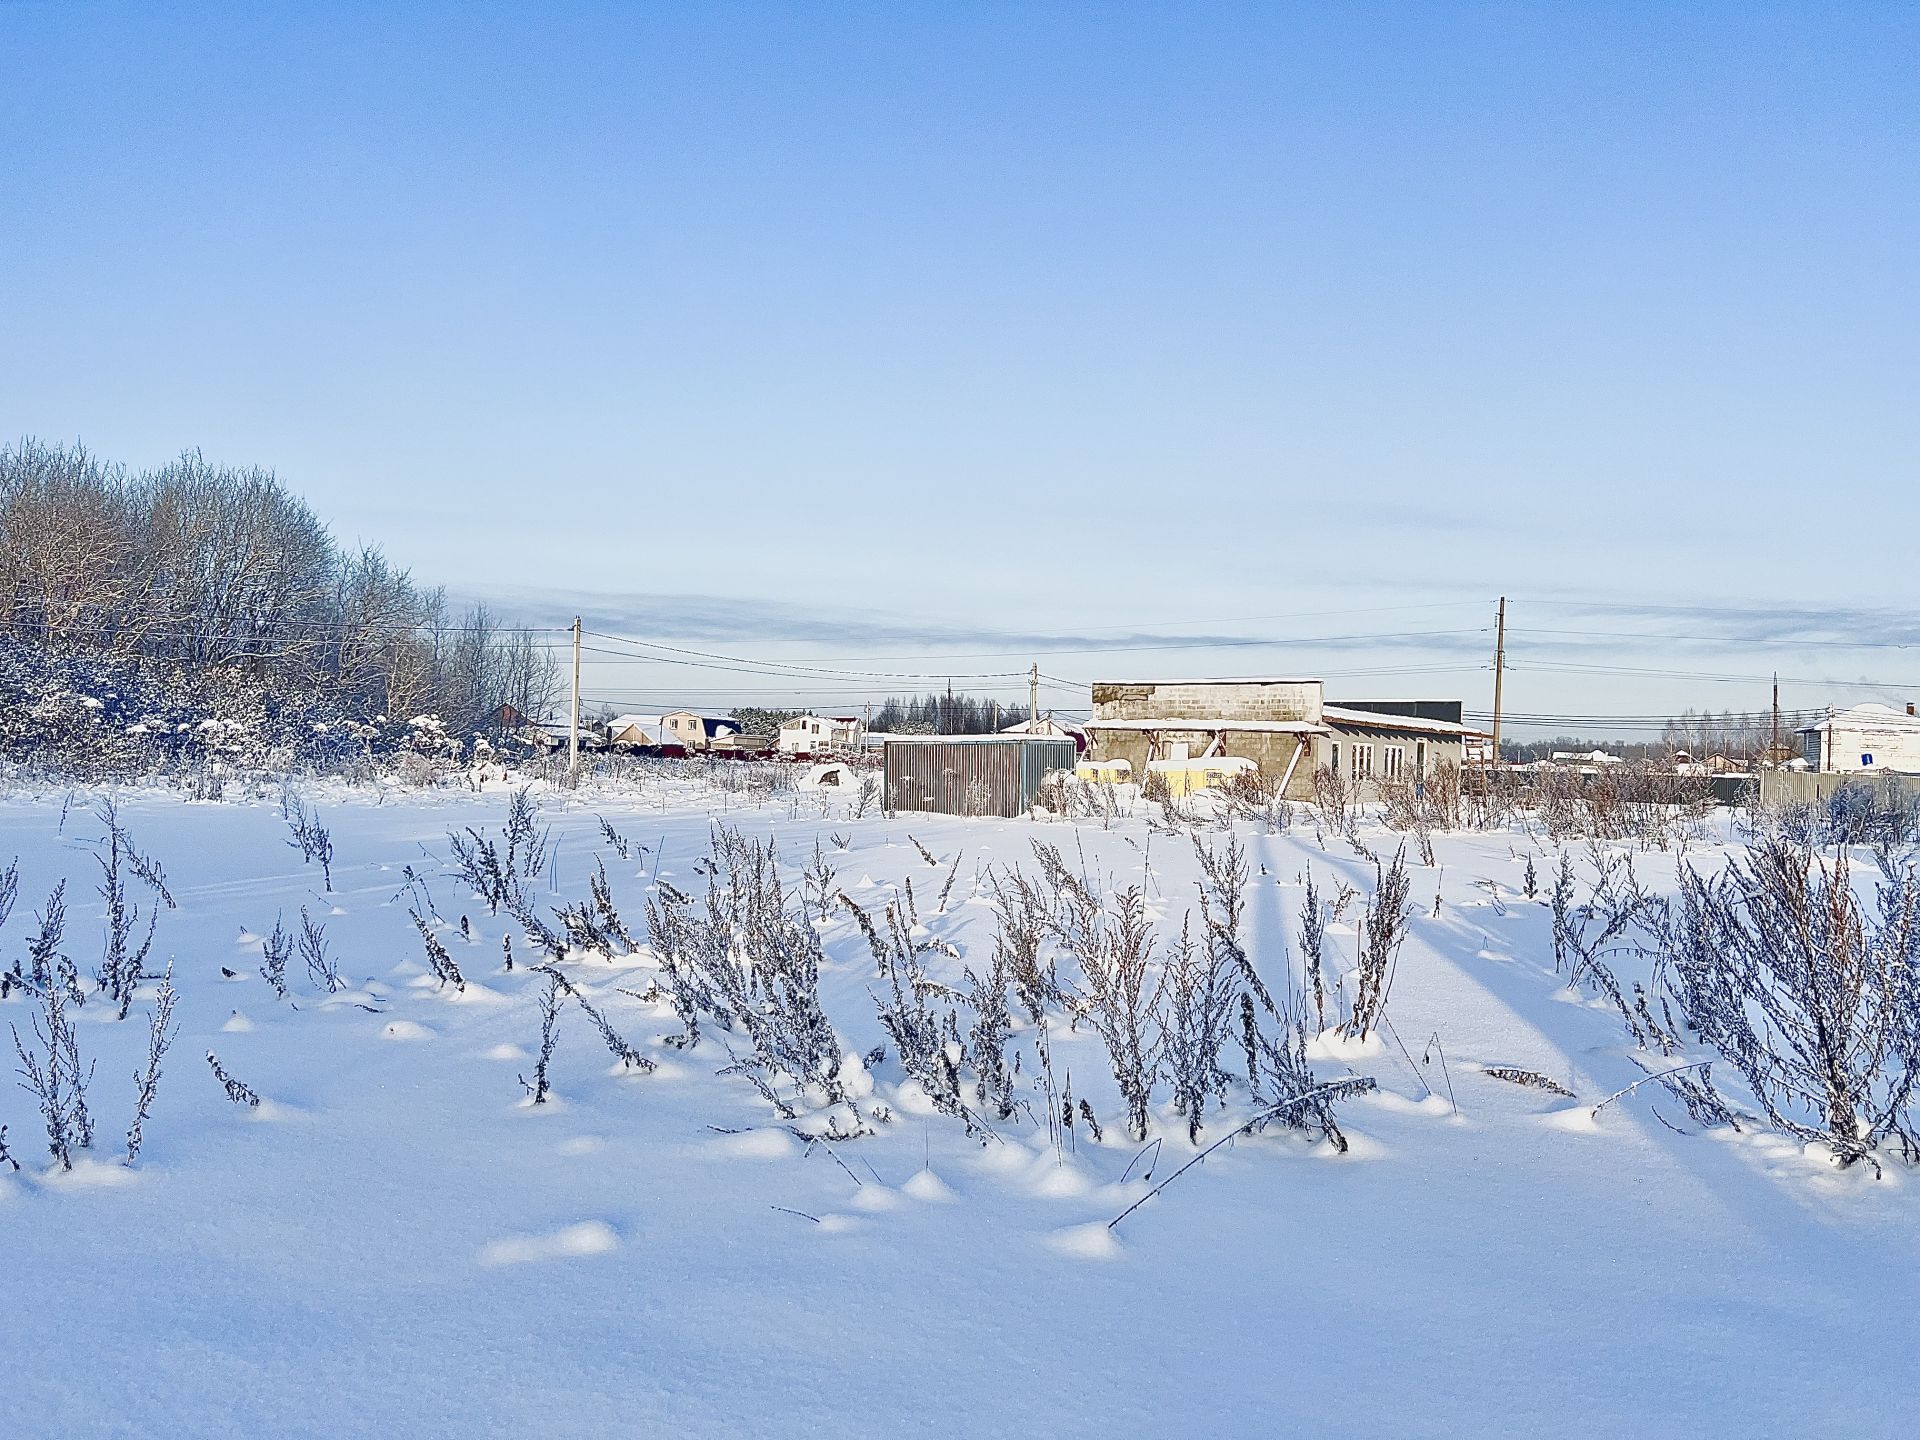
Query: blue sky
[{"x": 909, "y": 330}]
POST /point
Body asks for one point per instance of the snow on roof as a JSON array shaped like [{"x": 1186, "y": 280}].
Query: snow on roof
[
  {"x": 1223, "y": 680},
  {"x": 995, "y": 739},
  {"x": 1376, "y": 720},
  {"x": 1262, "y": 727},
  {"x": 1871, "y": 715}
]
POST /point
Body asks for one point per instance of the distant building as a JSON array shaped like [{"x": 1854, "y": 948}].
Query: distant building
[
  {"x": 558, "y": 735},
  {"x": 1867, "y": 737},
  {"x": 636, "y": 732},
  {"x": 818, "y": 735},
  {"x": 1049, "y": 728},
  {"x": 696, "y": 734},
  {"x": 1284, "y": 726}
]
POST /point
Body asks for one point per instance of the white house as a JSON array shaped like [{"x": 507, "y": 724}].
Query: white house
[
  {"x": 1867, "y": 737},
  {"x": 818, "y": 734}
]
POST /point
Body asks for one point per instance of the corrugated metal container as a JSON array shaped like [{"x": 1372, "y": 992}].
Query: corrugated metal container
[{"x": 971, "y": 774}]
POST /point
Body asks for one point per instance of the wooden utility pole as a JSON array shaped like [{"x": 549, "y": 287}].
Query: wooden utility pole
[
  {"x": 573, "y": 734},
  {"x": 1499, "y": 673},
  {"x": 1033, "y": 697}
]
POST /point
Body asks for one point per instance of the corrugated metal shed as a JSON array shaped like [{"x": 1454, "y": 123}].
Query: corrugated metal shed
[{"x": 971, "y": 774}]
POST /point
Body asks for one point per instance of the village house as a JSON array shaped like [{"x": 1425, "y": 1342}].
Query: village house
[
  {"x": 696, "y": 734},
  {"x": 818, "y": 734},
  {"x": 636, "y": 732},
  {"x": 678, "y": 730},
  {"x": 1285, "y": 727}
]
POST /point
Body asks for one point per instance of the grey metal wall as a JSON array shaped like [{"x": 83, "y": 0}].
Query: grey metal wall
[
  {"x": 1800, "y": 787},
  {"x": 962, "y": 775}
]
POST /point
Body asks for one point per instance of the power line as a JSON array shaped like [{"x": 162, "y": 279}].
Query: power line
[{"x": 1774, "y": 643}]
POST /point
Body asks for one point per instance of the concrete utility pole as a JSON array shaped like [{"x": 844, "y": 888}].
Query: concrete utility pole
[
  {"x": 573, "y": 735},
  {"x": 1773, "y": 747},
  {"x": 1033, "y": 697},
  {"x": 1499, "y": 673}
]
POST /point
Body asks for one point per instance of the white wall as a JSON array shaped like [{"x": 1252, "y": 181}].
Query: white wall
[{"x": 1892, "y": 746}]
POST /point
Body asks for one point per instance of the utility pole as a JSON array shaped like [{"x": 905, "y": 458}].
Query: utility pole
[
  {"x": 1773, "y": 746},
  {"x": 1499, "y": 673},
  {"x": 946, "y": 720},
  {"x": 573, "y": 736},
  {"x": 1033, "y": 697}
]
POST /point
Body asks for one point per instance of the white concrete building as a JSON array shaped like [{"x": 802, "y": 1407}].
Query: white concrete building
[{"x": 1867, "y": 737}]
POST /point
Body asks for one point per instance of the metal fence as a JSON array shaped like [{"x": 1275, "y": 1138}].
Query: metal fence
[
  {"x": 971, "y": 775},
  {"x": 1804, "y": 787}
]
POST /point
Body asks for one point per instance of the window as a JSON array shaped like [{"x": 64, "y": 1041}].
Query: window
[
  {"x": 1391, "y": 761},
  {"x": 1334, "y": 764},
  {"x": 1419, "y": 759},
  {"x": 1810, "y": 749},
  {"x": 1362, "y": 761}
]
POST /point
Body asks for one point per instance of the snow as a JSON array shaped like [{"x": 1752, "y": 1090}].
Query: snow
[{"x": 397, "y": 1244}]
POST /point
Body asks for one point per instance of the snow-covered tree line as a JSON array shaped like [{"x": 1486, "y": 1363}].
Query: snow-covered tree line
[
  {"x": 203, "y": 570},
  {"x": 938, "y": 714}
]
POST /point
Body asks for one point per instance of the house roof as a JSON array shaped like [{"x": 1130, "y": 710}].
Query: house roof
[
  {"x": 1258, "y": 727},
  {"x": 1345, "y": 719},
  {"x": 1222, "y": 680},
  {"x": 1871, "y": 716}
]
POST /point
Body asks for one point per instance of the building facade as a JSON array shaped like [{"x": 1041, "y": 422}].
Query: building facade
[
  {"x": 818, "y": 735},
  {"x": 1867, "y": 737},
  {"x": 1284, "y": 726}
]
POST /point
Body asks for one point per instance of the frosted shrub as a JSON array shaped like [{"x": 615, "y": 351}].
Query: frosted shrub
[
  {"x": 749, "y": 962},
  {"x": 50, "y": 1067},
  {"x": 309, "y": 837},
  {"x": 275, "y": 951},
  {"x": 617, "y": 1046},
  {"x": 1334, "y": 800},
  {"x": 499, "y": 873},
  {"x": 926, "y": 1040},
  {"x": 121, "y": 959},
  {"x": 444, "y": 969},
  {"x": 1811, "y": 997},
  {"x": 1284, "y": 1085},
  {"x": 1200, "y": 1012},
  {"x": 146, "y": 1083},
  {"x": 1254, "y": 795},
  {"x": 236, "y": 1091},
  {"x": 1119, "y": 994},
  {"x": 313, "y": 949},
  {"x": 1383, "y": 930},
  {"x": 1313, "y": 944},
  {"x": 539, "y": 1090}
]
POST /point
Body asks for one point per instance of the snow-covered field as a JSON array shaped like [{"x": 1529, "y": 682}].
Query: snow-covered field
[{"x": 396, "y": 1243}]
